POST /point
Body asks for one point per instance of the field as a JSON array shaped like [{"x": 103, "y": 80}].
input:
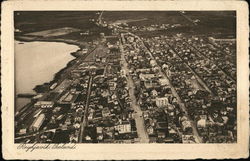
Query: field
[
  {"x": 34, "y": 21},
  {"x": 221, "y": 23},
  {"x": 210, "y": 22},
  {"x": 59, "y": 24},
  {"x": 153, "y": 17}
]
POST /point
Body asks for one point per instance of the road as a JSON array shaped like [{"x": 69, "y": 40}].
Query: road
[
  {"x": 142, "y": 134},
  {"x": 84, "y": 122},
  {"x": 175, "y": 94},
  {"x": 194, "y": 73},
  {"x": 209, "y": 59}
]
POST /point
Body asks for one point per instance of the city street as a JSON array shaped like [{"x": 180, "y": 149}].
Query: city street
[
  {"x": 142, "y": 134},
  {"x": 175, "y": 94},
  {"x": 84, "y": 122},
  {"x": 126, "y": 77}
]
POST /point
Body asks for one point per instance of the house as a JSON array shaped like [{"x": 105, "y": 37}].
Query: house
[
  {"x": 88, "y": 138},
  {"x": 154, "y": 93},
  {"x": 186, "y": 125},
  {"x": 150, "y": 130},
  {"x": 100, "y": 137},
  {"x": 77, "y": 125},
  {"x": 163, "y": 81},
  {"x": 153, "y": 63},
  {"x": 99, "y": 130},
  {"x": 145, "y": 114},
  {"x": 22, "y": 131},
  {"x": 202, "y": 122},
  {"x": 68, "y": 121},
  {"x": 114, "y": 97},
  {"x": 73, "y": 139},
  {"x": 91, "y": 115},
  {"x": 105, "y": 112}
]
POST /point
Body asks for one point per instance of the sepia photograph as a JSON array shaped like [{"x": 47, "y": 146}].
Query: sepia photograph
[
  {"x": 125, "y": 77},
  {"x": 136, "y": 77}
]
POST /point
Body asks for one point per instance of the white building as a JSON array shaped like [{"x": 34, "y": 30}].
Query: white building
[
  {"x": 44, "y": 104},
  {"x": 160, "y": 102},
  {"x": 202, "y": 122},
  {"x": 123, "y": 129},
  {"x": 163, "y": 81},
  {"x": 153, "y": 63},
  {"x": 38, "y": 122}
]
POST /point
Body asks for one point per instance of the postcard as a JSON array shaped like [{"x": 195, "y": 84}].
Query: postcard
[{"x": 100, "y": 80}]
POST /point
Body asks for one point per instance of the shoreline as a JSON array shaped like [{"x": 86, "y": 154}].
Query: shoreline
[
  {"x": 41, "y": 88},
  {"x": 31, "y": 39}
]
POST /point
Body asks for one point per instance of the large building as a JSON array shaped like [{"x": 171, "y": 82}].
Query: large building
[
  {"x": 44, "y": 104},
  {"x": 37, "y": 123},
  {"x": 123, "y": 128},
  {"x": 162, "y": 101}
]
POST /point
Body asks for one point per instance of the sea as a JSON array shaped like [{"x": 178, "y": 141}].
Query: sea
[{"x": 37, "y": 63}]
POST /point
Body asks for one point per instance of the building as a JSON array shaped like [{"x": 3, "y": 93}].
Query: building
[
  {"x": 150, "y": 130},
  {"x": 22, "y": 131},
  {"x": 123, "y": 128},
  {"x": 53, "y": 86},
  {"x": 154, "y": 93},
  {"x": 143, "y": 70},
  {"x": 153, "y": 63},
  {"x": 38, "y": 122},
  {"x": 188, "y": 139},
  {"x": 162, "y": 101},
  {"x": 211, "y": 39},
  {"x": 99, "y": 130},
  {"x": 202, "y": 122},
  {"x": 146, "y": 76},
  {"x": 186, "y": 125},
  {"x": 151, "y": 84},
  {"x": 163, "y": 81},
  {"x": 44, "y": 104},
  {"x": 105, "y": 112}
]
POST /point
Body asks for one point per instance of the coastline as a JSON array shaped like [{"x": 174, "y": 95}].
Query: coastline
[
  {"x": 31, "y": 39},
  {"x": 42, "y": 87}
]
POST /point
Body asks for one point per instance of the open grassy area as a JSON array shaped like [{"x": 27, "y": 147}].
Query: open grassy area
[
  {"x": 33, "y": 21},
  {"x": 210, "y": 22},
  {"x": 153, "y": 17},
  {"x": 59, "y": 24}
]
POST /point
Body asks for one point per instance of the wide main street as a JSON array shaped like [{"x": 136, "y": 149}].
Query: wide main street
[
  {"x": 142, "y": 134},
  {"x": 175, "y": 94},
  {"x": 182, "y": 105},
  {"x": 84, "y": 122}
]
